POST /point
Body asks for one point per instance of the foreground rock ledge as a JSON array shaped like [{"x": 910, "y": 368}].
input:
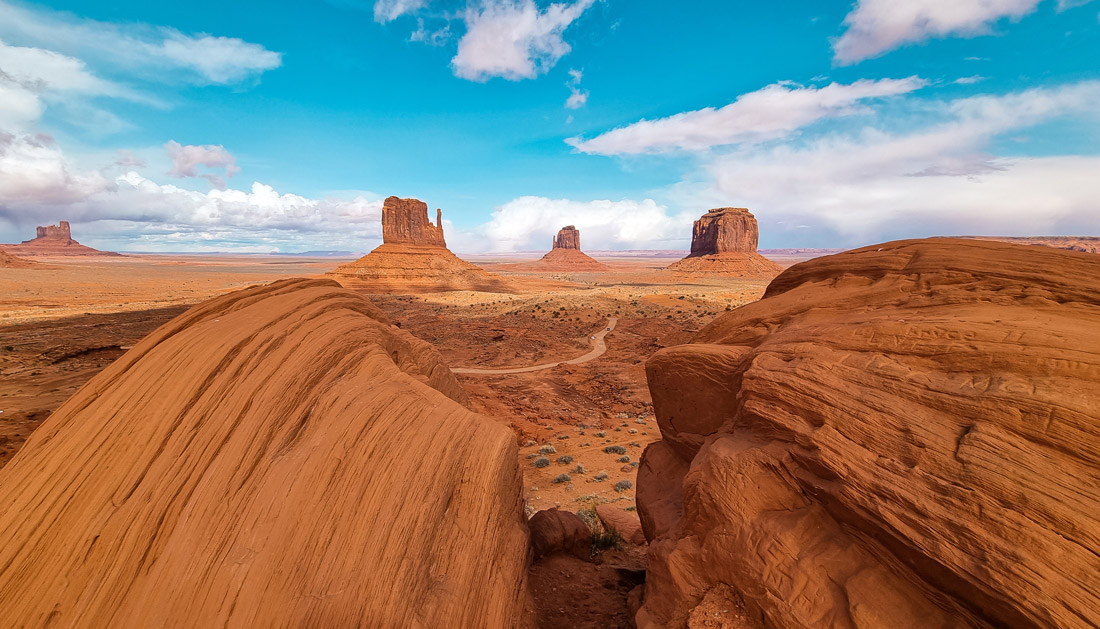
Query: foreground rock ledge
[
  {"x": 906, "y": 435},
  {"x": 279, "y": 456}
]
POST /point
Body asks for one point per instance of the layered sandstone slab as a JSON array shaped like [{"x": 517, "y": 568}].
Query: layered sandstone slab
[
  {"x": 413, "y": 257},
  {"x": 279, "y": 456},
  {"x": 1088, "y": 244},
  {"x": 53, "y": 240},
  {"x": 723, "y": 242},
  {"x": 906, "y": 435}
]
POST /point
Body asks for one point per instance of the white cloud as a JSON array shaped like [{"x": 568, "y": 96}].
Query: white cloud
[
  {"x": 529, "y": 224},
  {"x": 872, "y": 185},
  {"x": 159, "y": 52},
  {"x": 513, "y": 39},
  {"x": 969, "y": 80},
  {"x": 875, "y": 27},
  {"x": 775, "y": 111},
  {"x": 389, "y": 10},
  {"x": 187, "y": 159},
  {"x": 577, "y": 97}
]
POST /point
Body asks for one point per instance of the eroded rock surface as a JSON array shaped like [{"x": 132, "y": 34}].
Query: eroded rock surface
[
  {"x": 414, "y": 257},
  {"x": 723, "y": 242},
  {"x": 905, "y": 435},
  {"x": 8, "y": 261},
  {"x": 568, "y": 237},
  {"x": 555, "y": 531},
  {"x": 279, "y": 456}
]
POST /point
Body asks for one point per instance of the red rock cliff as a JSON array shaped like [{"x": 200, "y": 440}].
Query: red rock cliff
[
  {"x": 906, "y": 435},
  {"x": 405, "y": 221},
  {"x": 59, "y": 232},
  {"x": 569, "y": 237},
  {"x": 724, "y": 230}
]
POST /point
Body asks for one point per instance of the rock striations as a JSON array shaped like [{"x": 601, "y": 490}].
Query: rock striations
[
  {"x": 723, "y": 242},
  {"x": 905, "y": 435},
  {"x": 413, "y": 256},
  {"x": 53, "y": 240},
  {"x": 278, "y": 456}
]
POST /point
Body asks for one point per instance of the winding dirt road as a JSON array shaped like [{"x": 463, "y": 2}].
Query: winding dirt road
[{"x": 598, "y": 348}]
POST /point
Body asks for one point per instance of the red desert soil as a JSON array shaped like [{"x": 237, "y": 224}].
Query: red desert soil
[
  {"x": 904, "y": 435},
  {"x": 281, "y": 455},
  {"x": 8, "y": 261}
]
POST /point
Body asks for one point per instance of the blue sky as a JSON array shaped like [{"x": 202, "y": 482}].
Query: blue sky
[{"x": 272, "y": 126}]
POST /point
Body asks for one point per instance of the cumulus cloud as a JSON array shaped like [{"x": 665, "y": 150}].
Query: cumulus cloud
[
  {"x": 875, "y": 27},
  {"x": 389, "y": 10},
  {"x": 775, "y": 111},
  {"x": 871, "y": 185},
  {"x": 529, "y": 224},
  {"x": 187, "y": 159},
  {"x": 513, "y": 39},
  {"x": 160, "y": 52}
]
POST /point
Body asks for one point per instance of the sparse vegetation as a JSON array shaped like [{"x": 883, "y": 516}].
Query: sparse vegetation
[
  {"x": 579, "y": 469},
  {"x": 601, "y": 434},
  {"x": 541, "y": 462},
  {"x": 615, "y": 450},
  {"x": 561, "y": 478},
  {"x": 623, "y": 459},
  {"x": 565, "y": 459},
  {"x": 547, "y": 449},
  {"x": 623, "y": 485},
  {"x": 602, "y": 476},
  {"x": 605, "y": 539}
]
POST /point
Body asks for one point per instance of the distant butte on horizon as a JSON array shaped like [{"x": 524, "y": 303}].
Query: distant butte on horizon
[
  {"x": 54, "y": 240},
  {"x": 723, "y": 242}
]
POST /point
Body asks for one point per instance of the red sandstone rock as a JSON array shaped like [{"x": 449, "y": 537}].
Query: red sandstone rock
[
  {"x": 414, "y": 257},
  {"x": 569, "y": 237},
  {"x": 723, "y": 242},
  {"x": 278, "y": 456},
  {"x": 554, "y": 531},
  {"x": 905, "y": 435},
  {"x": 625, "y": 522},
  {"x": 53, "y": 240},
  {"x": 405, "y": 222}
]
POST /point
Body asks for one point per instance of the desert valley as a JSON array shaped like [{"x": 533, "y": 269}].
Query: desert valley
[
  {"x": 632, "y": 441},
  {"x": 550, "y": 314}
]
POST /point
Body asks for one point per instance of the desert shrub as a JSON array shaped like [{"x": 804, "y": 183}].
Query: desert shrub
[
  {"x": 602, "y": 476},
  {"x": 529, "y": 443},
  {"x": 563, "y": 436},
  {"x": 565, "y": 459},
  {"x": 635, "y": 444},
  {"x": 579, "y": 469},
  {"x": 603, "y": 540},
  {"x": 631, "y": 508},
  {"x": 615, "y": 450},
  {"x": 561, "y": 478},
  {"x": 541, "y": 462},
  {"x": 623, "y": 485},
  {"x": 583, "y": 426},
  {"x": 623, "y": 459},
  {"x": 547, "y": 449},
  {"x": 639, "y": 421},
  {"x": 601, "y": 434},
  {"x": 633, "y": 431}
]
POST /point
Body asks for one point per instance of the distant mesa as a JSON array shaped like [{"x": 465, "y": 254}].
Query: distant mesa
[
  {"x": 277, "y": 456},
  {"x": 414, "y": 256},
  {"x": 569, "y": 237},
  {"x": 723, "y": 242},
  {"x": 53, "y": 240}
]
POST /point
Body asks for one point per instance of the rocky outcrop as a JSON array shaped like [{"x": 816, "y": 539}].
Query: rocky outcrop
[
  {"x": 565, "y": 256},
  {"x": 568, "y": 237},
  {"x": 53, "y": 240},
  {"x": 413, "y": 257},
  {"x": 278, "y": 456},
  {"x": 905, "y": 435},
  {"x": 405, "y": 222},
  {"x": 556, "y": 531},
  {"x": 624, "y": 522},
  {"x": 723, "y": 242},
  {"x": 1087, "y": 244}
]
